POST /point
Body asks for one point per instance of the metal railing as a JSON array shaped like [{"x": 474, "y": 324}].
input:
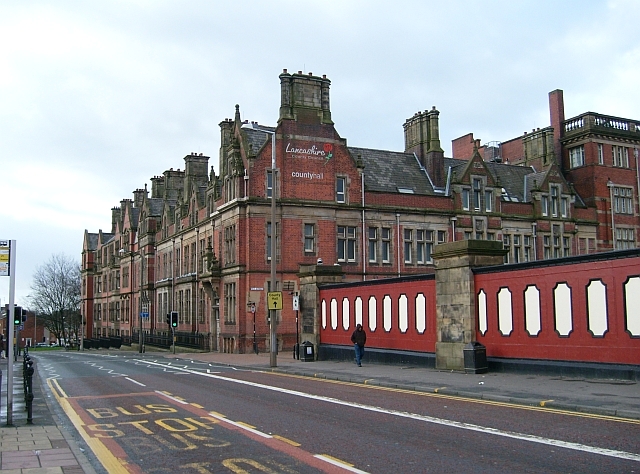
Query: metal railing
[{"x": 183, "y": 339}]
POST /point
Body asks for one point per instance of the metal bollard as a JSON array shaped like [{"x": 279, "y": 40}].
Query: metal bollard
[
  {"x": 29, "y": 392},
  {"x": 25, "y": 361}
]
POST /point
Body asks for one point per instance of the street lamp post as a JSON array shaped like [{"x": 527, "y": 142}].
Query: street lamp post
[
  {"x": 81, "y": 332},
  {"x": 273, "y": 356}
]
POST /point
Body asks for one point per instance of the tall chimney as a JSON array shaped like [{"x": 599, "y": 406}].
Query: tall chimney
[
  {"x": 304, "y": 98},
  {"x": 556, "y": 112},
  {"x": 435, "y": 154}
]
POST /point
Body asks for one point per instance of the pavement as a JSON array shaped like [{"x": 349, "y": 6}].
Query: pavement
[
  {"x": 47, "y": 446},
  {"x": 42, "y": 446}
]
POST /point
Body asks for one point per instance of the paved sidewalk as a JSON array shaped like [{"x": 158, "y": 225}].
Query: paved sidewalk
[
  {"x": 596, "y": 396},
  {"x": 42, "y": 447}
]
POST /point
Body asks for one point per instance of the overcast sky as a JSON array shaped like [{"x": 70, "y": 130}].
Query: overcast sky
[{"x": 97, "y": 97}]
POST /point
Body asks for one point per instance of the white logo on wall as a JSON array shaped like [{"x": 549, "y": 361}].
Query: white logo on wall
[
  {"x": 306, "y": 175},
  {"x": 324, "y": 153}
]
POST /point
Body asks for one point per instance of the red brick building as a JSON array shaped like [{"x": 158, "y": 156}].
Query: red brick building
[{"x": 200, "y": 243}]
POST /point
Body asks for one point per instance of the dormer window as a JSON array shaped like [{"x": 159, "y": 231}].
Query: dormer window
[
  {"x": 554, "y": 201},
  {"x": 488, "y": 201},
  {"x": 477, "y": 197},
  {"x": 477, "y": 187},
  {"x": 465, "y": 199}
]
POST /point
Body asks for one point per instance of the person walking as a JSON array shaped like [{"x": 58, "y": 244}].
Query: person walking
[{"x": 359, "y": 338}]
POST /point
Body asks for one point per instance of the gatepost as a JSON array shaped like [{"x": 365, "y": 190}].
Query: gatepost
[
  {"x": 311, "y": 277},
  {"x": 455, "y": 295}
]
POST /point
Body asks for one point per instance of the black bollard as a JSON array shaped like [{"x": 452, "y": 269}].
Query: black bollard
[
  {"x": 25, "y": 362},
  {"x": 29, "y": 394}
]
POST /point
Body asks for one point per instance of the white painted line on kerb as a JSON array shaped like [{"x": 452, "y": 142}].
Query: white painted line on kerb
[
  {"x": 171, "y": 398},
  {"x": 135, "y": 381},
  {"x": 240, "y": 425},
  {"x": 438, "y": 421}
]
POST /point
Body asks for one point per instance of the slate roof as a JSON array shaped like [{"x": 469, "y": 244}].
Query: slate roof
[
  {"x": 256, "y": 138},
  {"x": 510, "y": 177},
  {"x": 533, "y": 180},
  {"x": 107, "y": 237},
  {"x": 92, "y": 241},
  {"x": 155, "y": 206},
  {"x": 202, "y": 194},
  {"x": 135, "y": 216},
  {"x": 387, "y": 171}
]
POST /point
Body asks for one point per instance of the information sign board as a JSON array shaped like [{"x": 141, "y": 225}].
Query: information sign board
[
  {"x": 5, "y": 255},
  {"x": 274, "y": 299}
]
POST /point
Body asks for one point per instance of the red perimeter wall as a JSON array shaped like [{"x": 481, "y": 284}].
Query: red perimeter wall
[
  {"x": 565, "y": 333},
  {"x": 614, "y": 344},
  {"x": 382, "y": 332}
]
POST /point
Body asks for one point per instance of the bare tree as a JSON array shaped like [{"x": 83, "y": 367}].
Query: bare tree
[{"x": 56, "y": 295}]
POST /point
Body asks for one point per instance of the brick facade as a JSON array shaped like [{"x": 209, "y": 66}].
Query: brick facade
[{"x": 198, "y": 242}]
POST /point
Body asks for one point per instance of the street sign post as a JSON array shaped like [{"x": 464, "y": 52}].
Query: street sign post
[
  {"x": 8, "y": 268},
  {"x": 252, "y": 308},
  {"x": 296, "y": 308}
]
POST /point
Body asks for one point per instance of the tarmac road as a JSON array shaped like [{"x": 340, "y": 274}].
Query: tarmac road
[{"x": 420, "y": 442}]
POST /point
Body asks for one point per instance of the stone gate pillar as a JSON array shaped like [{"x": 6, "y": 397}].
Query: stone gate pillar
[
  {"x": 455, "y": 295},
  {"x": 311, "y": 276}
]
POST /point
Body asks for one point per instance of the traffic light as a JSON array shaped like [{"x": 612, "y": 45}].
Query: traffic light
[
  {"x": 19, "y": 315},
  {"x": 168, "y": 319},
  {"x": 174, "y": 319}
]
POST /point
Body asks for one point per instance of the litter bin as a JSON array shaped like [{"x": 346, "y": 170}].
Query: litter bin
[
  {"x": 306, "y": 352},
  {"x": 475, "y": 358}
]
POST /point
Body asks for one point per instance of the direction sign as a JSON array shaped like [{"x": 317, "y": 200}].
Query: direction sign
[
  {"x": 274, "y": 299},
  {"x": 144, "y": 315}
]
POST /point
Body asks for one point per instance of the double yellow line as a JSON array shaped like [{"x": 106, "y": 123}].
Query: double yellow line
[{"x": 111, "y": 463}]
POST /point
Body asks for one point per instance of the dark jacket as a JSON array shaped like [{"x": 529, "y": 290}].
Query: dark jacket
[{"x": 359, "y": 337}]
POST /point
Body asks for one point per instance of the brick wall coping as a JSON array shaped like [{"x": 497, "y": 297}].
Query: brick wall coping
[
  {"x": 589, "y": 258},
  {"x": 380, "y": 281}
]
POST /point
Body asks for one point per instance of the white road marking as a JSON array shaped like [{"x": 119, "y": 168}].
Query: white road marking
[
  {"x": 438, "y": 421},
  {"x": 135, "y": 381},
  {"x": 240, "y": 425},
  {"x": 172, "y": 398},
  {"x": 342, "y": 465}
]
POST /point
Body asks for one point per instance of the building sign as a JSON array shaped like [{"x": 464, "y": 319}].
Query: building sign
[
  {"x": 5, "y": 254},
  {"x": 317, "y": 152},
  {"x": 307, "y": 175}
]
